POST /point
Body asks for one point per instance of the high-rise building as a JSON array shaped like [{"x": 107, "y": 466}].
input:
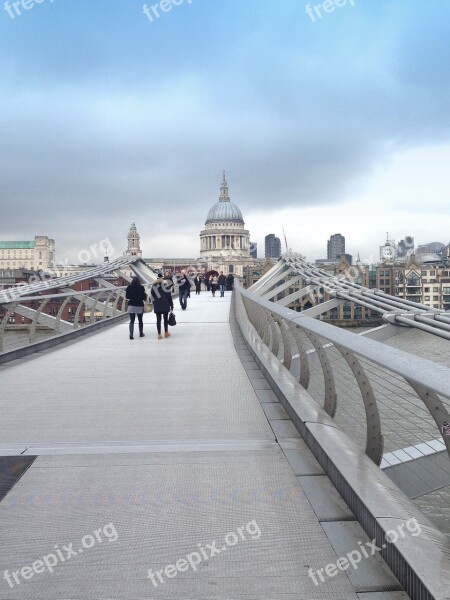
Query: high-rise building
[
  {"x": 272, "y": 246},
  {"x": 405, "y": 248},
  {"x": 433, "y": 251},
  {"x": 335, "y": 247},
  {"x": 253, "y": 249}
]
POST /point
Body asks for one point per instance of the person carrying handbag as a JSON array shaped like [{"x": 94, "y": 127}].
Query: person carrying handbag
[{"x": 161, "y": 294}]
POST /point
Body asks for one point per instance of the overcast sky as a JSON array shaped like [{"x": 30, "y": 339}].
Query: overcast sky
[{"x": 337, "y": 124}]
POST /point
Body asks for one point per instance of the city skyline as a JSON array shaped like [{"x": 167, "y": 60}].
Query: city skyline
[
  {"x": 96, "y": 252},
  {"x": 321, "y": 124}
]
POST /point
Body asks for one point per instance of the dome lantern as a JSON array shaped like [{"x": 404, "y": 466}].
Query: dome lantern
[
  {"x": 224, "y": 209},
  {"x": 224, "y": 197}
]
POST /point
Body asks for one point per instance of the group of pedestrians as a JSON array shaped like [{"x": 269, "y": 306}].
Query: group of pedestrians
[
  {"x": 212, "y": 283},
  {"x": 220, "y": 283},
  {"x": 162, "y": 300},
  {"x": 161, "y": 296}
]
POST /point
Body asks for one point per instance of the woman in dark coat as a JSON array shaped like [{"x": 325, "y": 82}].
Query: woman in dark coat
[
  {"x": 161, "y": 294},
  {"x": 135, "y": 294},
  {"x": 198, "y": 284}
]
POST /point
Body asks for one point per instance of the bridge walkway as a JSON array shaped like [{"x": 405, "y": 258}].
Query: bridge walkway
[{"x": 149, "y": 452}]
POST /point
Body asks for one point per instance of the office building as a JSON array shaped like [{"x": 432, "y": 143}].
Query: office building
[
  {"x": 335, "y": 247},
  {"x": 272, "y": 246}
]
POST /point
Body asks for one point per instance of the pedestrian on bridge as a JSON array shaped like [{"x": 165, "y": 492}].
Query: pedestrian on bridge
[
  {"x": 162, "y": 300},
  {"x": 214, "y": 281},
  {"x": 222, "y": 284},
  {"x": 198, "y": 284},
  {"x": 135, "y": 294},
  {"x": 184, "y": 287}
]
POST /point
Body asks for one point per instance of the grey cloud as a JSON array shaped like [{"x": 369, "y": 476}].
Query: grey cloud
[{"x": 303, "y": 131}]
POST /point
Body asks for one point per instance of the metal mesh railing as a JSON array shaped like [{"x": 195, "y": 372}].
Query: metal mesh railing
[{"x": 384, "y": 398}]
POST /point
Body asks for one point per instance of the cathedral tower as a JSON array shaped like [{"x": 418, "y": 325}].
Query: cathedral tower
[{"x": 134, "y": 247}]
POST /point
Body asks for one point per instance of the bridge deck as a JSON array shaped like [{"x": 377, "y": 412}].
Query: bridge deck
[{"x": 167, "y": 443}]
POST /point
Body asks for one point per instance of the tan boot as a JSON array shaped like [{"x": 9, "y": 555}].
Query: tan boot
[
  {"x": 167, "y": 334},
  {"x": 160, "y": 337}
]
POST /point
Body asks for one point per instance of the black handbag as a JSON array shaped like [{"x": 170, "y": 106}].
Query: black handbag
[{"x": 172, "y": 321}]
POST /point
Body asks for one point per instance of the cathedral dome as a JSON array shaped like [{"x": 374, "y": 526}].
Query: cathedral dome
[{"x": 224, "y": 209}]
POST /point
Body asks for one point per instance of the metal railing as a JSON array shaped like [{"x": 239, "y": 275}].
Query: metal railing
[
  {"x": 95, "y": 305},
  {"x": 313, "y": 282},
  {"x": 31, "y": 313},
  {"x": 386, "y": 385}
]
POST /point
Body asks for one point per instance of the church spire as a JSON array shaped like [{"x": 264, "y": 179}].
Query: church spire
[{"x": 224, "y": 197}]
